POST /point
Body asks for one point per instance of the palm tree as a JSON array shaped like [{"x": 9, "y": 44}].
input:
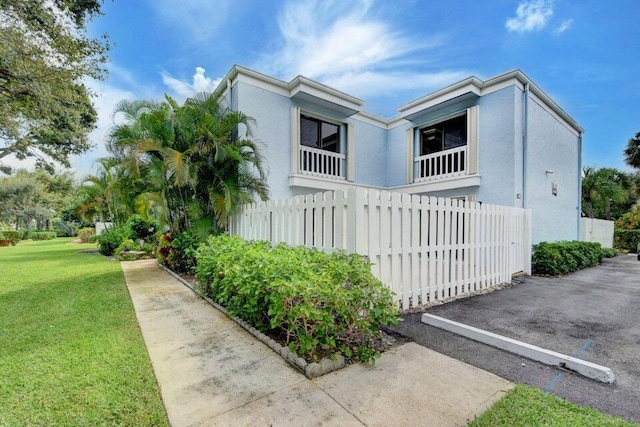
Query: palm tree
[
  {"x": 105, "y": 195},
  {"x": 185, "y": 160},
  {"x": 632, "y": 152},
  {"x": 601, "y": 187}
]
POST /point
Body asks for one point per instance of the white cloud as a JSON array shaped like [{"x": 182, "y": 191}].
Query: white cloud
[
  {"x": 564, "y": 26},
  {"x": 347, "y": 45},
  {"x": 104, "y": 103},
  {"x": 373, "y": 83},
  {"x": 530, "y": 16},
  {"x": 201, "y": 19},
  {"x": 183, "y": 90}
]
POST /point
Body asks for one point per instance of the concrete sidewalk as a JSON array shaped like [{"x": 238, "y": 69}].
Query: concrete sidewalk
[{"x": 212, "y": 372}]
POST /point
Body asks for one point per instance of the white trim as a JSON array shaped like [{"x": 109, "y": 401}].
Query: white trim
[
  {"x": 410, "y": 157},
  {"x": 430, "y": 187},
  {"x": 297, "y": 180},
  {"x": 351, "y": 152},
  {"x": 469, "y": 85},
  {"x": 295, "y": 140},
  {"x": 442, "y": 119},
  {"x": 371, "y": 119},
  {"x": 303, "y": 84}
]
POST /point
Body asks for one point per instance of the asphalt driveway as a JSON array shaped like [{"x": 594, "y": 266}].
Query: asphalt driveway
[{"x": 593, "y": 314}]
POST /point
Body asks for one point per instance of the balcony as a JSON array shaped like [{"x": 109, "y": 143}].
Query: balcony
[
  {"x": 322, "y": 163},
  {"x": 442, "y": 165}
]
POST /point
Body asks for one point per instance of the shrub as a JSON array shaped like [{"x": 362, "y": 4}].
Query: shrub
[
  {"x": 178, "y": 252},
  {"x": 141, "y": 228},
  {"x": 558, "y": 258},
  {"x": 122, "y": 251},
  {"x": 86, "y": 234},
  {"x": 14, "y": 236},
  {"x": 318, "y": 303},
  {"x": 609, "y": 252},
  {"x": 626, "y": 240},
  {"x": 109, "y": 240},
  {"x": 42, "y": 235},
  {"x": 66, "y": 228},
  {"x": 629, "y": 221}
]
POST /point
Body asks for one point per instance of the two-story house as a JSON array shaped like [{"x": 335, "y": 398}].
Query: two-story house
[{"x": 500, "y": 141}]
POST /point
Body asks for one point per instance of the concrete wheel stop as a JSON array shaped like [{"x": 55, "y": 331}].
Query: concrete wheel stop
[
  {"x": 539, "y": 354},
  {"x": 310, "y": 370}
]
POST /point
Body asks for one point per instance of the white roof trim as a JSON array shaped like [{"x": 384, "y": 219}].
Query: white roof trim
[{"x": 473, "y": 85}]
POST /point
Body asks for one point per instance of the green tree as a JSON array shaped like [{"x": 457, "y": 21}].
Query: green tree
[
  {"x": 106, "y": 196},
  {"x": 34, "y": 195},
  {"x": 186, "y": 161},
  {"x": 45, "y": 109},
  {"x": 601, "y": 188},
  {"x": 632, "y": 152}
]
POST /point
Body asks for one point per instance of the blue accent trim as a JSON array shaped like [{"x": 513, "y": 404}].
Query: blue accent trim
[{"x": 560, "y": 375}]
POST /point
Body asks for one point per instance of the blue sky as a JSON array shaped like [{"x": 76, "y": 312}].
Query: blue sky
[{"x": 584, "y": 53}]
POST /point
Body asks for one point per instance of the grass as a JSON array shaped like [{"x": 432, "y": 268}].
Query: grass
[
  {"x": 529, "y": 406},
  {"x": 71, "y": 352}
]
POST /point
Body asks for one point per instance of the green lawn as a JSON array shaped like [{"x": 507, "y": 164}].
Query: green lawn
[
  {"x": 529, "y": 406},
  {"x": 71, "y": 352}
]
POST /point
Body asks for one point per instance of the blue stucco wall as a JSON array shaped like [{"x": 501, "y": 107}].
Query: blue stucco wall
[
  {"x": 496, "y": 147},
  {"x": 272, "y": 113},
  {"x": 551, "y": 146},
  {"x": 381, "y": 154},
  {"x": 370, "y": 148}
]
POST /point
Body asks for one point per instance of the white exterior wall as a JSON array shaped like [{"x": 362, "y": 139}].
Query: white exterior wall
[{"x": 597, "y": 230}]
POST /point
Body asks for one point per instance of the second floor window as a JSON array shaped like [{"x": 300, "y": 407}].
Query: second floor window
[
  {"x": 319, "y": 134},
  {"x": 445, "y": 135}
]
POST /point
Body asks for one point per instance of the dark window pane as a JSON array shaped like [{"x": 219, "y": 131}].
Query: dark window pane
[
  {"x": 309, "y": 132},
  {"x": 444, "y": 136},
  {"x": 330, "y": 137}
]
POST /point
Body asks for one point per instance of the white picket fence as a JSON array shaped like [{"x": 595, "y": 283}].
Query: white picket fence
[{"x": 425, "y": 249}]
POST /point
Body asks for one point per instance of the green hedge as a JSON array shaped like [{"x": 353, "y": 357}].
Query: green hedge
[
  {"x": 13, "y": 235},
  {"x": 42, "y": 235},
  {"x": 626, "y": 240},
  {"x": 557, "y": 258},
  {"x": 319, "y": 304}
]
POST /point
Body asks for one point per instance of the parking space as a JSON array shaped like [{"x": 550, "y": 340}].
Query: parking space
[{"x": 593, "y": 314}]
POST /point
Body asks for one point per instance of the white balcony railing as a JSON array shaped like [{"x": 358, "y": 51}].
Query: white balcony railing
[
  {"x": 441, "y": 165},
  {"x": 322, "y": 163}
]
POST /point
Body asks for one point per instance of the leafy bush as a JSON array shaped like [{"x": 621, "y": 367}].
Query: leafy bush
[
  {"x": 109, "y": 240},
  {"x": 141, "y": 228},
  {"x": 318, "y": 303},
  {"x": 122, "y": 251},
  {"x": 629, "y": 221},
  {"x": 178, "y": 252},
  {"x": 86, "y": 234},
  {"x": 14, "y": 236},
  {"x": 609, "y": 252},
  {"x": 42, "y": 235},
  {"x": 66, "y": 228},
  {"x": 558, "y": 258},
  {"x": 626, "y": 240}
]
